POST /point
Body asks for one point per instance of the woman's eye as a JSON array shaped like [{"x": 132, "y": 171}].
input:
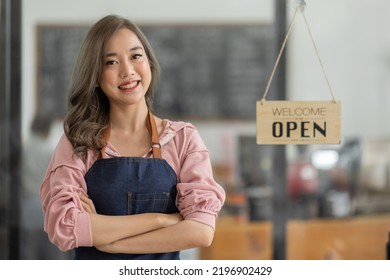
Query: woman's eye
[
  {"x": 111, "y": 62},
  {"x": 137, "y": 56}
]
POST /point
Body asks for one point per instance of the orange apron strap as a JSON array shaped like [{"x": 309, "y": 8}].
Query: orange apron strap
[
  {"x": 156, "y": 147},
  {"x": 106, "y": 136}
]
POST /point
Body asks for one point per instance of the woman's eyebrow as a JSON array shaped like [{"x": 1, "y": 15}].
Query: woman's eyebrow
[
  {"x": 131, "y": 50},
  {"x": 136, "y": 48}
]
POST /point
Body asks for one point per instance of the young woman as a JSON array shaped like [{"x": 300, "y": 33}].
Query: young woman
[{"x": 123, "y": 183}]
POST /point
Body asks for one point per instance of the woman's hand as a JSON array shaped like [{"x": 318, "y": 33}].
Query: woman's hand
[{"x": 87, "y": 204}]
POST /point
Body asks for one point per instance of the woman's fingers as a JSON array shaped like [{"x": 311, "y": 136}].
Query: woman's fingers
[{"x": 87, "y": 204}]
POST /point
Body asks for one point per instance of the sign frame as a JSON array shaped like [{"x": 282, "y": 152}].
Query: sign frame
[{"x": 298, "y": 122}]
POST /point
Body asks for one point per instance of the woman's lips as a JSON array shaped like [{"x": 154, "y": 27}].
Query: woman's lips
[{"x": 128, "y": 85}]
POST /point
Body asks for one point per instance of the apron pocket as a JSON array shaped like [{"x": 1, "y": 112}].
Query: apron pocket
[{"x": 138, "y": 203}]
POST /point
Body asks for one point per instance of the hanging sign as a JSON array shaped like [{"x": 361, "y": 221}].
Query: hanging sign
[{"x": 298, "y": 122}]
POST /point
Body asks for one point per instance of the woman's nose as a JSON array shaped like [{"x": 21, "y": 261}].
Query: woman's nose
[{"x": 127, "y": 70}]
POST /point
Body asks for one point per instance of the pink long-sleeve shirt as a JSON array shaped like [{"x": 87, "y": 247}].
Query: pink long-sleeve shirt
[{"x": 199, "y": 196}]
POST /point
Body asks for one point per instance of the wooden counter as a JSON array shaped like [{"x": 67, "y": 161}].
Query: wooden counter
[{"x": 355, "y": 238}]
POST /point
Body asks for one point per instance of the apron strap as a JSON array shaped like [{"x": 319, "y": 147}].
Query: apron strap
[
  {"x": 106, "y": 136},
  {"x": 156, "y": 146}
]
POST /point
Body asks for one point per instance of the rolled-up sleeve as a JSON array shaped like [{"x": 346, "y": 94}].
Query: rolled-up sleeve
[
  {"x": 200, "y": 197},
  {"x": 66, "y": 223}
]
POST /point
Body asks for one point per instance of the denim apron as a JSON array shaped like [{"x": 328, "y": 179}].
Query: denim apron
[{"x": 128, "y": 186}]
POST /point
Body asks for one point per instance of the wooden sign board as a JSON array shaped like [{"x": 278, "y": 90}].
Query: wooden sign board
[{"x": 298, "y": 122}]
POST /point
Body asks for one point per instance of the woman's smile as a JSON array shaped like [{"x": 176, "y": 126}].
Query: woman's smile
[{"x": 129, "y": 86}]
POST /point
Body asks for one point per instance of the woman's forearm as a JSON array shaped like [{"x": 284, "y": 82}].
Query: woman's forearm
[
  {"x": 108, "y": 229},
  {"x": 184, "y": 235}
]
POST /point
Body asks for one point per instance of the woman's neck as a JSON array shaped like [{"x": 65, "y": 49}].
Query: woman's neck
[{"x": 129, "y": 120}]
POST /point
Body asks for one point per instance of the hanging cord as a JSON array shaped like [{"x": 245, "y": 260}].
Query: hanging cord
[
  {"x": 300, "y": 7},
  {"x": 319, "y": 58},
  {"x": 279, "y": 56}
]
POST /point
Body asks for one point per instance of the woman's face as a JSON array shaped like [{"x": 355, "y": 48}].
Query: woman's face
[{"x": 126, "y": 73}]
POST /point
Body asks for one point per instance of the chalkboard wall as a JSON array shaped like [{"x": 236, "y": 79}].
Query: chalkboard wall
[{"x": 208, "y": 71}]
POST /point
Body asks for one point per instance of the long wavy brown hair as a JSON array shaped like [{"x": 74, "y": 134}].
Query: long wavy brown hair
[{"x": 88, "y": 107}]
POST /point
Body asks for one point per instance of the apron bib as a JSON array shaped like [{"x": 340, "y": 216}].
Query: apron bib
[{"x": 128, "y": 186}]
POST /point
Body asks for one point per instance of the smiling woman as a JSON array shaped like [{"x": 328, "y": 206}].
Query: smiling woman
[{"x": 122, "y": 181}]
